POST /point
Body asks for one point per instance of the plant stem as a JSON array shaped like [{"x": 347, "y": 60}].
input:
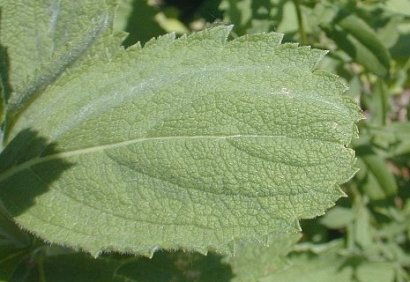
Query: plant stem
[
  {"x": 302, "y": 33},
  {"x": 381, "y": 91},
  {"x": 40, "y": 267}
]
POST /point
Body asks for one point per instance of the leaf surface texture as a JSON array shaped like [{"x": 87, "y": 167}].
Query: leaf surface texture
[{"x": 192, "y": 143}]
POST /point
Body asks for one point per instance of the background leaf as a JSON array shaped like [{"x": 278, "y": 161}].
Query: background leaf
[
  {"x": 253, "y": 262},
  {"x": 14, "y": 246},
  {"x": 358, "y": 29},
  {"x": 328, "y": 263}
]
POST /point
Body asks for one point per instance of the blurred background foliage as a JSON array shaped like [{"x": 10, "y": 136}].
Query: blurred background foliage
[{"x": 366, "y": 236}]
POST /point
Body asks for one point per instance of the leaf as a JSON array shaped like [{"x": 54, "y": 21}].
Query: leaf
[
  {"x": 376, "y": 179},
  {"x": 10, "y": 260},
  {"x": 377, "y": 272},
  {"x": 43, "y": 38},
  {"x": 253, "y": 262},
  {"x": 249, "y": 16},
  {"x": 398, "y": 6},
  {"x": 138, "y": 20},
  {"x": 394, "y": 138},
  {"x": 384, "y": 177},
  {"x": 359, "y": 29},
  {"x": 337, "y": 217},
  {"x": 192, "y": 143},
  {"x": 329, "y": 265},
  {"x": 362, "y": 227},
  {"x": 309, "y": 267},
  {"x": 14, "y": 246},
  {"x": 360, "y": 42},
  {"x": 389, "y": 33}
]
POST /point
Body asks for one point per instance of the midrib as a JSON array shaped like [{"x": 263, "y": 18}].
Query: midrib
[{"x": 61, "y": 155}]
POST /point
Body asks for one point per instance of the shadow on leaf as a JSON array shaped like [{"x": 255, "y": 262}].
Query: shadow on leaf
[{"x": 24, "y": 175}]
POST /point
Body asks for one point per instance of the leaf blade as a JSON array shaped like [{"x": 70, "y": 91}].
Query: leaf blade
[
  {"x": 196, "y": 148},
  {"x": 49, "y": 40}
]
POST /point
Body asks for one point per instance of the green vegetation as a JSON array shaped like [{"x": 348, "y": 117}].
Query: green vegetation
[{"x": 133, "y": 154}]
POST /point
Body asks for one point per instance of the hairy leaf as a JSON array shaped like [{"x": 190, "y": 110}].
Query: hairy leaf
[
  {"x": 191, "y": 143},
  {"x": 42, "y": 38}
]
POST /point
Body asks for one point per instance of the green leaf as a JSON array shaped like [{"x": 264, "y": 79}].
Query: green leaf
[
  {"x": 139, "y": 20},
  {"x": 42, "y": 38},
  {"x": 310, "y": 267},
  {"x": 191, "y": 143},
  {"x": 376, "y": 272},
  {"x": 360, "y": 42},
  {"x": 10, "y": 259},
  {"x": 376, "y": 179},
  {"x": 377, "y": 166},
  {"x": 359, "y": 29},
  {"x": 253, "y": 262},
  {"x": 389, "y": 33},
  {"x": 249, "y": 16},
  {"x": 398, "y": 6},
  {"x": 393, "y": 138},
  {"x": 328, "y": 264},
  {"x": 337, "y": 217},
  {"x": 14, "y": 246},
  {"x": 362, "y": 228}
]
